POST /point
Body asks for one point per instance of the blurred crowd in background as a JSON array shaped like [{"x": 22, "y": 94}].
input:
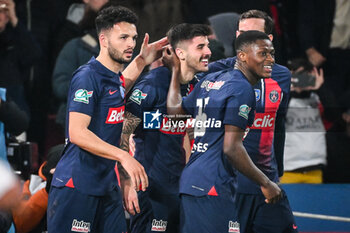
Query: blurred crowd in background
[{"x": 42, "y": 42}]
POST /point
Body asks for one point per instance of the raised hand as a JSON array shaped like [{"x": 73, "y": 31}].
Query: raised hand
[
  {"x": 9, "y": 7},
  {"x": 170, "y": 59},
  {"x": 153, "y": 51}
]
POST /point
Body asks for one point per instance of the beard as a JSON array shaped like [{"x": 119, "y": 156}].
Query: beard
[{"x": 116, "y": 56}]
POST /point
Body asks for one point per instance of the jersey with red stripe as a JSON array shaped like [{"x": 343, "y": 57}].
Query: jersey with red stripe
[
  {"x": 158, "y": 149},
  {"x": 99, "y": 93},
  {"x": 219, "y": 99},
  {"x": 272, "y": 97}
]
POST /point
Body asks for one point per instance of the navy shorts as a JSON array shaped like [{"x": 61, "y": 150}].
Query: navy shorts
[
  {"x": 71, "y": 211},
  {"x": 159, "y": 212},
  {"x": 255, "y": 215},
  {"x": 207, "y": 214}
]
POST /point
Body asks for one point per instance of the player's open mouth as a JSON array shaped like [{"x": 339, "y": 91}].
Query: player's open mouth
[
  {"x": 205, "y": 61},
  {"x": 268, "y": 68}
]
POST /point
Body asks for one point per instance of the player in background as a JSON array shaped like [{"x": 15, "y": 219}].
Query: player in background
[
  {"x": 85, "y": 196},
  {"x": 159, "y": 147},
  {"x": 265, "y": 139},
  {"x": 223, "y": 104}
]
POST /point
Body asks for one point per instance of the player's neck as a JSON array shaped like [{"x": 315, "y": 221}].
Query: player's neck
[
  {"x": 252, "y": 78},
  {"x": 186, "y": 74},
  {"x": 109, "y": 63}
]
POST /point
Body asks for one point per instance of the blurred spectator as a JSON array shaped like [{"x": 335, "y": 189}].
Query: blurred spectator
[
  {"x": 15, "y": 120},
  {"x": 75, "y": 53},
  {"x": 18, "y": 51},
  {"x": 30, "y": 213},
  {"x": 338, "y": 147},
  {"x": 305, "y": 146},
  {"x": 80, "y": 18},
  {"x": 225, "y": 26},
  {"x": 197, "y": 11},
  {"x": 9, "y": 196},
  {"x": 12, "y": 120},
  {"x": 324, "y": 35}
]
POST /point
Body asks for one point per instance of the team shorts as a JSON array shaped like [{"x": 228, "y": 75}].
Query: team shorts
[
  {"x": 207, "y": 214},
  {"x": 71, "y": 211},
  {"x": 255, "y": 215},
  {"x": 159, "y": 212}
]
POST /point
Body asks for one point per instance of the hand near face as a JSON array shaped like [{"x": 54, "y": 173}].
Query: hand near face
[
  {"x": 153, "y": 51},
  {"x": 170, "y": 59},
  {"x": 9, "y": 7},
  {"x": 315, "y": 57}
]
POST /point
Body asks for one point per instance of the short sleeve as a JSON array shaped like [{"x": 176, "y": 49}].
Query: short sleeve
[
  {"x": 240, "y": 107},
  {"x": 83, "y": 95}
]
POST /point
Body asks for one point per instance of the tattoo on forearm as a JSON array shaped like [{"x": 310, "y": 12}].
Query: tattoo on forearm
[{"x": 129, "y": 126}]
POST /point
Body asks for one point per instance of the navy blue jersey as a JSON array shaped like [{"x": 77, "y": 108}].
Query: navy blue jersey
[
  {"x": 159, "y": 150},
  {"x": 98, "y": 92},
  {"x": 221, "y": 98},
  {"x": 272, "y": 97}
]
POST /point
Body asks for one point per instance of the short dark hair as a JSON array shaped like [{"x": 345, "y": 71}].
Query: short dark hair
[
  {"x": 256, "y": 14},
  {"x": 248, "y": 38},
  {"x": 111, "y": 15},
  {"x": 186, "y": 31}
]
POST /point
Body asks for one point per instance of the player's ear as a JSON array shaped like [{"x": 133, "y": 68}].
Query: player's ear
[
  {"x": 242, "y": 56},
  {"x": 271, "y": 37},
  {"x": 180, "y": 53},
  {"x": 103, "y": 39}
]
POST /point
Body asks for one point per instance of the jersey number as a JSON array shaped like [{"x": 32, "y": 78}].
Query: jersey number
[{"x": 199, "y": 129}]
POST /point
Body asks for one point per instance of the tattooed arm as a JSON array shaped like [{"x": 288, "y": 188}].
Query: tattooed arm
[
  {"x": 130, "y": 123},
  {"x": 129, "y": 193}
]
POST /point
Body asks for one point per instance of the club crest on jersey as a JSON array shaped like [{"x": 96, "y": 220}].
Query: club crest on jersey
[
  {"x": 233, "y": 227},
  {"x": 208, "y": 85},
  {"x": 152, "y": 120},
  {"x": 257, "y": 94},
  {"x": 273, "y": 96},
  {"x": 159, "y": 225},
  {"x": 244, "y": 111},
  {"x": 83, "y": 96},
  {"x": 137, "y": 96},
  {"x": 80, "y": 226}
]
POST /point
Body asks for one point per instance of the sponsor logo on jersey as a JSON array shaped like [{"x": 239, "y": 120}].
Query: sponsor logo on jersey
[
  {"x": 137, "y": 96},
  {"x": 82, "y": 95},
  {"x": 208, "y": 85},
  {"x": 159, "y": 225},
  {"x": 233, "y": 227},
  {"x": 199, "y": 147},
  {"x": 273, "y": 96},
  {"x": 80, "y": 226},
  {"x": 152, "y": 120},
  {"x": 257, "y": 94},
  {"x": 112, "y": 92},
  {"x": 244, "y": 111},
  {"x": 115, "y": 115},
  {"x": 263, "y": 121}
]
